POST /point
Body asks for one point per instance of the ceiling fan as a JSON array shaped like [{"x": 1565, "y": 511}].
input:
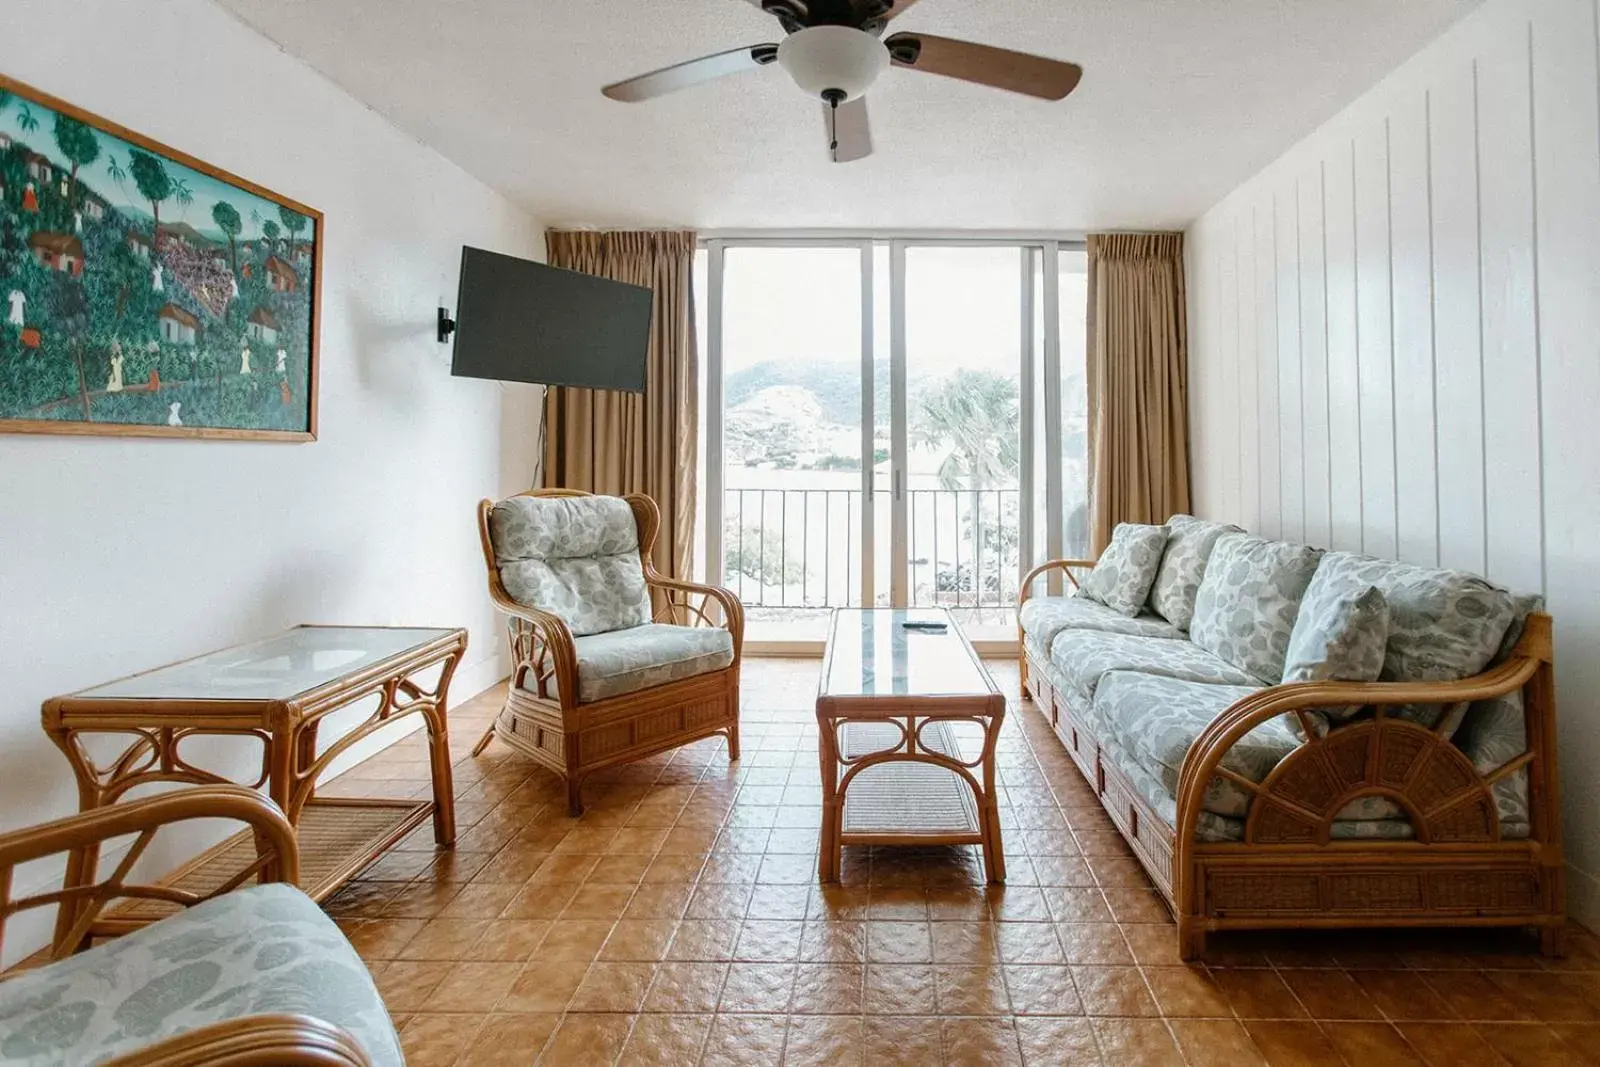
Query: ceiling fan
[{"x": 835, "y": 50}]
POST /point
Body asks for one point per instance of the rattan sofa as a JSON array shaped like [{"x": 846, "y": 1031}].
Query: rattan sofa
[{"x": 1434, "y": 803}]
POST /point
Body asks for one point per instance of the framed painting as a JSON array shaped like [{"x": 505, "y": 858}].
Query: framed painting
[{"x": 144, "y": 292}]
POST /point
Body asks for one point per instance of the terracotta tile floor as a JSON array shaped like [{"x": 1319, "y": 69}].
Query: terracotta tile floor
[{"x": 680, "y": 922}]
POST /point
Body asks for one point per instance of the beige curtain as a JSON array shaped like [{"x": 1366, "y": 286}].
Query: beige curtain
[
  {"x": 1138, "y": 380},
  {"x": 616, "y": 443}
]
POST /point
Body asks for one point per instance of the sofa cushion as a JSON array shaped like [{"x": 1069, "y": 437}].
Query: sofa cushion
[
  {"x": 261, "y": 950},
  {"x": 1122, "y": 577},
  {"x": 1083, "y": 657},
  {"x": 1443, "y": 625},
  {"x": 626, "y": 661},
  {"x": 1190, "y": 542},
  {"x": 576, "y": 557},
  {"x": 1339, "y": 637},
  {"x": 1042, "y": 618},
  {"x": 1249, "y": 600},
  {"x": 1155, "y": 719}
]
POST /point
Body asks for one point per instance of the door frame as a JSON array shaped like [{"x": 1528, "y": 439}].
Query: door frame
[{"x": 1035, "y": 253}]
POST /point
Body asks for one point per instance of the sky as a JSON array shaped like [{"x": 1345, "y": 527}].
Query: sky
[
  {"x": 207, "y": 190},
  {"x": 963, "y": 306}
]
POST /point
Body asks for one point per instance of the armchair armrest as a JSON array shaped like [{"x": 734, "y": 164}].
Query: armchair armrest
[
  {"x": 82, "y": 900},
  {"x": 254, "y": 1041},
  {"x": 1065, "y": 566},
  {"x": 541, "y": 643},
  {"x": 732, "y": 609}
]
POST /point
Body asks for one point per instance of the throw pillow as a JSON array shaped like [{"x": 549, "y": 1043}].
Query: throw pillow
[
  {"x": 1183, "y": 565},
  {"x": 1122, "y": 578},
  {"x": 1339, "y": 637},
  {"x": 1249, "y": 599}
]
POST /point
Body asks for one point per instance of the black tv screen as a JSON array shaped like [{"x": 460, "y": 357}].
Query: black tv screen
[{"x": 520, "y": 321}]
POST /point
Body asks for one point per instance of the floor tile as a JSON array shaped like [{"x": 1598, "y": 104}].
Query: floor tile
[{"x": 679, "y": 921}]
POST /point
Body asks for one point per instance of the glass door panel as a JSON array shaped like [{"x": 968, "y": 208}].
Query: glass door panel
[
  {"x": 793, "y": 451},
  {"x": 966, "y": 319}
]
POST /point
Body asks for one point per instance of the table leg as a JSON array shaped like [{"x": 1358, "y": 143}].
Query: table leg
[
  {"x": 437, "y": 718},
  {"x": 82, "y": 862},
  {"x": 444, "y": 795},
  {"x": 994, "y": 858},
  {"x": 828, "y": 858}
]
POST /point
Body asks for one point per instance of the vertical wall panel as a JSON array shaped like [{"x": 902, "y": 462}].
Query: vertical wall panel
[
  {"x": 1431, "y": 259},
  {"x": 1314, "y": 460},
  {"x": 1567, "y": 238},
  {"x": 1375, "y": 333},
  {"x": 1510, "y": 337},
  {"x": 1411, "y": 256},
  {"x": 1269, "y": 520},
  {"x": 1226, "y": 404},
  {"x": 1458, "y": 348},
  {"x": 1344, "y": 385},
  {"x": 1291, "y": 426},
  {"x": 1249, "y": 385}
]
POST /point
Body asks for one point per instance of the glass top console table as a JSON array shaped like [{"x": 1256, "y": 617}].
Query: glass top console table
[{"x": 278, "y": 691}]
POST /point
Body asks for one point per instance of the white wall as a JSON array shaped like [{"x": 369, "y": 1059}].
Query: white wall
[
  {"x": 1396, "y": 340},
  {"x": 118, "y": 554}
]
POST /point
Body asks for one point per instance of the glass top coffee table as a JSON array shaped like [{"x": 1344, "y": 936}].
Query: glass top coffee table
[
  {"x": 893, "y": 772},
  {"x": 277, "y": 691}
]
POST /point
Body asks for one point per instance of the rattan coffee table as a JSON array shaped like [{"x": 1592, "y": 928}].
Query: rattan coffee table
[
  {"x": 892, "y": 770},
  {"x": 278, "y": 691}
]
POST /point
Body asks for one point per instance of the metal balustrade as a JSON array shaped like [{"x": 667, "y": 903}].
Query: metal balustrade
[{"x": 801, "y": 548}]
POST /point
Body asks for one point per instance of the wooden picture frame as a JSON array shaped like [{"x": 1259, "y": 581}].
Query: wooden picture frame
[{"x": 119, "y": 316}]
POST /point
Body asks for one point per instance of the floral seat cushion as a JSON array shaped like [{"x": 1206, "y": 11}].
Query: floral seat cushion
[
  {"x": 626, "y": 661},
  {"x": 1156, "y": 719},
  {"x": 1042, "y": 618},
  {"x": 576, "y": 557},
  {"x": 1084, "y": 657},
  {"x": 262, "y": 950}
]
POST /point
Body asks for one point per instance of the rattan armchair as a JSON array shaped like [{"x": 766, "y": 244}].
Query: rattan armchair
[
  {"x": 42, "y": 1029},
  {"x": 588, "y": 693}
]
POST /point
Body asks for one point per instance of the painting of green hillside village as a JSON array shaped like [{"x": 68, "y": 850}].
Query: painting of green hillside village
[{"x": 144, "y": 292}]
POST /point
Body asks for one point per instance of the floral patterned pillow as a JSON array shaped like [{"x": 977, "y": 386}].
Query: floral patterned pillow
[
  {"x": 1248, "y": 601},
  {"x": 1122, "y": 578},
  {"x": 1183, "y": 565},
  {"x": 1339, "y": 636}
]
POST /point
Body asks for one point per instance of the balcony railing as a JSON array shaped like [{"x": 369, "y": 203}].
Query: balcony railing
[{"x": 801, "y": 548}]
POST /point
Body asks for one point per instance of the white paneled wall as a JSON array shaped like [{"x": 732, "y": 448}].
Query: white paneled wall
[{"x": 1396, "y": 340}]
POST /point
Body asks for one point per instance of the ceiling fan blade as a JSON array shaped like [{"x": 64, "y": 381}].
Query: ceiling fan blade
[
  {"x": 683, "y": 75},
  {"x": 899, "y": 8},
  {"x": 849, "y": 130},
  {"x": 1017, "y": 72}
]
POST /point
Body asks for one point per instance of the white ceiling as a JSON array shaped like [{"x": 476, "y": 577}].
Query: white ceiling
[{"x": 1182, "y": 101}]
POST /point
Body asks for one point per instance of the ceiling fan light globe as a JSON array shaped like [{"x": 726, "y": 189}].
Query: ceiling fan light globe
[{"x": 833, "y": 58}]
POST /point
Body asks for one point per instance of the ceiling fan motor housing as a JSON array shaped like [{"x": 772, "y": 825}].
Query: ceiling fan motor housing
[{"x": 826, "y": 61}]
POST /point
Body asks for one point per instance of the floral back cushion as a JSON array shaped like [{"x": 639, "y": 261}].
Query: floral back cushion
[
  {"x": 1249, "y": 600},
  {"x": 1190, "y": 542},
  {"x": 576, "y": 557},
  {"x": 1122, "y": 578},
  {"x": 1339, "y": 637}
]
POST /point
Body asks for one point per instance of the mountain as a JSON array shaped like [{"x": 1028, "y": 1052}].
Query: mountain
[{"x": 836, "y": 385}]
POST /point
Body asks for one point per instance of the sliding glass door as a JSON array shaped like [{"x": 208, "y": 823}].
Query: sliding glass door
[{"x": 885, "y": 424}]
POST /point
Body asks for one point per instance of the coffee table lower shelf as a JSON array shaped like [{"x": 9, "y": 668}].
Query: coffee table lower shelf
[{"x": 337, "y": 836}]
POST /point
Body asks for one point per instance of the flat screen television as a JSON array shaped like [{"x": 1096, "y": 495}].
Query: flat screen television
[{"x": 520, "y": 321}]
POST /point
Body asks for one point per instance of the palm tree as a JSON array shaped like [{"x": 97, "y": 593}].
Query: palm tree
[
  {"x": 26, "y": 119},
  {"x": 114, "y": 169},
  {"x": 974, "y": 417},
  {"x": 183, "y": 195}
]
